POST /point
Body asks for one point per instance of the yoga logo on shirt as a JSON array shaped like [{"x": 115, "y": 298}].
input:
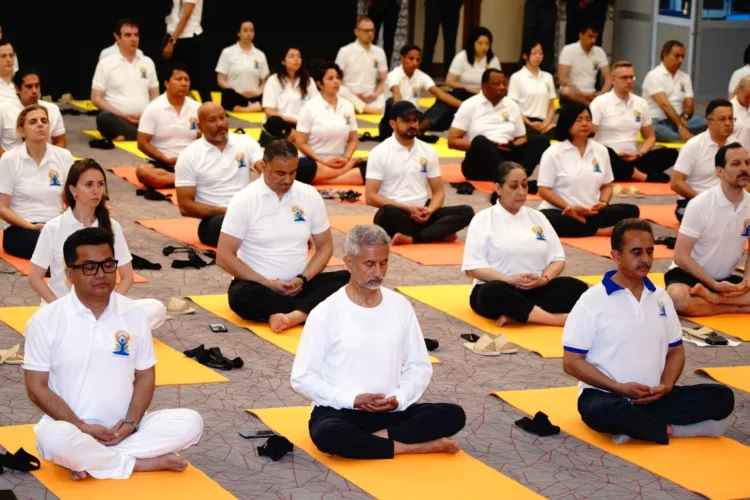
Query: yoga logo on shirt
[
  {"x": 256, "y": 64},
  {"x": 240, "y": 159},
  {"x": 682, "y": 87},
  {"x": 193, "y": 123},
  {"x": 637, "y": 115},
  {"x": 596, "y": 65},
  {"x": 595, "y": 164},
  {"x": 54, "y": 178},
  {"x": 144, "y": 73},
  {"x": 506, "y": 116},
  {"x": 423, "y": 165},
  {"x": 122, "y": 344},
  {"x": 539, "y": 232},
  {"x": 746, "y": 229},
  {"x": 299, "y": 214},
  {"x": 415, "y": 90},
  {"x": 347, "y": 118},
  {"x": 375, "y": 62},
  {"x": 662, "y": 309}
]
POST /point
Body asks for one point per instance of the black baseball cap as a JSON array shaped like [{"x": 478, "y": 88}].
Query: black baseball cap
[{"x": 402, "y": 109}]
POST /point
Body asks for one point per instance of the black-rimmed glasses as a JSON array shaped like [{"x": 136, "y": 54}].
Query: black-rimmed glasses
[{"x": 90, "y": 268}]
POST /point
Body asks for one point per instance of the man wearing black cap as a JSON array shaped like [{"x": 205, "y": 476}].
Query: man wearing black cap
[{"x": 399, "y": 171}]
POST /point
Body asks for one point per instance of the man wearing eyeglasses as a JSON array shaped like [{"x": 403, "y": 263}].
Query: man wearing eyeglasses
[
  {"x": 89, "y": 366},
  {"x": 618, "y": 116}
]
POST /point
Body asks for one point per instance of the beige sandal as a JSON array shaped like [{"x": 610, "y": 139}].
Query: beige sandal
[
  {"x": 620, "y": 192},
  {"x": 491, "y": 346},
  {"x": 633, "y": 192},
  {"x": 179, "y": 306},
  {"x": 11, "y": 356}
]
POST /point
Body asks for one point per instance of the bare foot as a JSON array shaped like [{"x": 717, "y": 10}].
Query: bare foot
[
  {"x": 78, "y": 476},
  {"x": 451, "y": 238},
  {"x": 119, "y": 138},
  {"x": 701, "y": 291},
  {"x": 279, "y": 322},
  {"x": 401, "y": 239},
  {"x": 504, "y": 320},
  {"x": 170, "y": 461},
  {"x": 442, "y": 445}
]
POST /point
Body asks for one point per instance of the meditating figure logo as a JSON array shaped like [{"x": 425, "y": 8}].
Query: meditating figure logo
[
  {"x": 415, "y": 90},
  {"x": 596, "y": 65},
  {"x": 539, "y": 232},
  {"x": 637, "y": 116},
  {"x": 662, "y": 309},
  {"x": 193, "y": 123},
  {"x": 347, "y": 118},
  {"x": 746, "y": 229},
  {"x": 54, "y": 178},
  {"x": 682, "y": 87},
  {"x": 375, "y": 62},
  {"x": 299, "y": 214},
  {"x": 423, "y": 165},
  {"x": 122, "y": 341},
  {"x": 144, "y": 73},
  {"x": 595, "y": 164},
  {"x": 256, "y": 64},
  {"x": 240, "y": 159},
  {"x": 506, "y": 116}
]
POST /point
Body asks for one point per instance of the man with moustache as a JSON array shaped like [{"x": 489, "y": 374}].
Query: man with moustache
[{"x": 362, "y": 361}]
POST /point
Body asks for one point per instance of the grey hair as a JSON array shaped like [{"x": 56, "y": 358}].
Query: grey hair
[{"x": 363, "y": 235}]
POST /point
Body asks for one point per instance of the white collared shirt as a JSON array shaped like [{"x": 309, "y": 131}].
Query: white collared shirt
[
  {"x": 126, "y": 85},
  {"x": 328, "y": 129},
  {"x": 287, "y": 100},
  {"x": 245, "y": 69},
  {"x": 737, "y": 76},
  {"x": 471, "y": 74},
  {"x": 500, "y": 123},
  {"x": 618, "y": 122},
  {"x": 410, "y": 88},
  {"x": 193, "y": 26},
  {"x": 171, "y": 133},
  {"x": 91, "y": 363},
  {"x": 532, "y": 93},
  {"x": 7, "y": 91},
  {"x": 576, "y": 179},
  {"x": 677, "y": 88},
  {"x": 361, "y": 66},
  {"x": 347, "y": 350},
  {"x": 217, "y": 175},
  {"x": 624, "y": 338},
  {"x": 274, "y": 232},
  {"x": 584, "y": 67},
  {"x": 697, "y": 160},
  {"x": 9, "y": 112},
  {"x": 720, "y": 229},
  {"x": 35, "y": 190},
  {"x": 741, "y": 122},
  {"x": 49, "y": 249},
  {"x": 113, "y": 49},
  {"x": 404, "y": 172}
]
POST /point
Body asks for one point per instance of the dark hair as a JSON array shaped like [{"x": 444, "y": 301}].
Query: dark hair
[
  {"x": 408, "y": 48},
  {"x": 617, "y": 239},
  {"x": 721, "y": 154},
  {"x": 667, "y": 48},
  {"x": 23, "y": 73},
  {"x": 75, "y": 173},
  {"x": 279, "y": 148},
  {"x": 5, "y": 42},
  {"x": 124, "y": 22},
  {"x": 302, "y": 74},
  {"x": 717, "y": 103},
  {"x": 746, "y": 57},
  {"x": 568, "y": 116},
  {"x": 488, "y": 72},
  {"x": 93, "y": 236},
  {"x": 239, "y": 27},
  {"x": 175, "y": 66},
  {"x": 589, "y": 24},
  {"x": 529, "y": 46},
  {"x": 319, "y": 72},
  {"x": 504, "y": 169},
  {"x": 473, "y": 37}
]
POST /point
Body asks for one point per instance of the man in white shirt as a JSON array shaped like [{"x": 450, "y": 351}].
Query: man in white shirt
[
  {"x": 618, "y": 116},
  {"x": 399, "y": 171},
  {"x": 365, "y": 67},
  {"x": 15, "y": 56},
  {"x": 490, "y": 128},
  {"x": 183, "y": 41},
  {"x": 29, "y": 90},
  {"x": 113, "y": 49},
  {"x": 264, "y": 244},
  {"x": 7, "y": 58},
  {"x": 123, "y": 85},
  {"x": 712, "y": 237},
  {"x": 168, "y": 125},
  {"x": 579, "y": 67},
  {"x": 740, "y": 73},
  {"x": 95, "y": 421},
  {"x": 362, "y": 361},
  {"x": 741, "y": 108},
  {"x": 212, "y": 170},
  {"x": 623, "y": 342},
  {"x": 669, "y": 93},
  {"x": 695, "y": 169}
]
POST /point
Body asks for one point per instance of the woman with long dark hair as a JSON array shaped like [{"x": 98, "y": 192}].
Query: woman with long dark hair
[{"x": 534, "y": 91}]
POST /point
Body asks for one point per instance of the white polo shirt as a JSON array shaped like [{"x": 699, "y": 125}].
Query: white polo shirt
[
  {"x": 532, "y": 93},
  {"x": 618, "y": 122},
  {"x": 49, "y": 249},
  {"x": 741, "y": 122},
  {"x": 404, "y": 172},
  {"x": 35, "y": 191},
  {"x": 126, "y": 85},
  {"x": 171, "y": 132},
  {"x": 91, "y": 363},
  {"x": 624, "y": 338},
  {"x": 193, "y": 26},
  {"x": 576, "y": 179},
  {"x": 583, "y": 67},
  {"x": 112, "y": 49},
  {"x": 697, "y": 160},
  {"x": 245, "y": 69},
  {"x": 7, "y": 91},
  {"x": 500, "y": 123},
  {"x": 361, "y": 66},
  {"x": 9, "y": 112},
  {"x": 720, "y": 229},
  {"x": 471, "y": 74},
  {"x": 287, "y": 99},
  {"x": 677, "y": 88},
  {"x": 217, "y": 175},
  {"x": 410, "y": 88},
  {"x": 328, "y": 128},
  {"x": 511, "y": 244},
  {"x": 274, "y": 232},
  {"x": 737, "y": 76}
]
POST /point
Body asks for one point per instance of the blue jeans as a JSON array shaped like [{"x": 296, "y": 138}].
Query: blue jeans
[{"x": 666, "y": 131}]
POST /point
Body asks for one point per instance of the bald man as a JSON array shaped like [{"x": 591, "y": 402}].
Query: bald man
[{"x": 211, "y": 170}]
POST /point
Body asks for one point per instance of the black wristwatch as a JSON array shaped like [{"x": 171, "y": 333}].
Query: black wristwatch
[
  {"x": 302, "y": 277},
  {"x": 133, "y": 423}
]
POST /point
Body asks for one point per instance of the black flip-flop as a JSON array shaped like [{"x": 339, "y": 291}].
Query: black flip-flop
[
  {"x": 275, "y": 448},
  {"x": 21, "y": 461},
  {"x": 431, "y": 344},
  {"x": 101, "y": 144}
]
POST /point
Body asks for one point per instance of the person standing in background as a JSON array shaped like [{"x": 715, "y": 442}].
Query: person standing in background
[
  {"x": 437, "y": 13},
  {"x": 385, "y": 12},
  {"x": 540, "y": 24},
  {"x": 578, "y": 11},
  {"x": 183, "y": 41}
]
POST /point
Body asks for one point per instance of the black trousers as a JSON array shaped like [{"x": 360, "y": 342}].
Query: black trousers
[
  {"x": 499, "y": 298},
  {"x": 230, "y": 98},
  {"x": 679, "y": 210},
  {"x": 540, "y": 24},
  {"x": 653, "y": 162},
  {"x": 209, "y": 230},
  {"x": 677, "y": 275},
  {"x": 532, "y": 133},
  {"x": 438, "y": 13},
  {"x": 568, "y": 227},
  {"x": 440, "y": 115},
  {"x": 111, "y": 126},
  {"x": 684, "y": 405},
  {"x": 384, "y": 127},
  {"x": 595, "y": 12},
  {"x": 20, "y": 242},
  {"x": 307, "y": 168},
  {"x": 252, "y": 301},
  {"x": 483, "y": 157},
  {"x": 189, "y": 51},
  {"x": 349, "y": 433},
  {"x": 444, "y": 222},
  {"x": 385, "y": 13}
]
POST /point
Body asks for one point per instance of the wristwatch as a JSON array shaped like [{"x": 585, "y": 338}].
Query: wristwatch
[
  {"x": 133, "y": 423},
  {"x": 302, "y": 277}
]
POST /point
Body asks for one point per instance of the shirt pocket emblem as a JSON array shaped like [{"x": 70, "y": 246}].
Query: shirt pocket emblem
[
  {"x": 662, "y": 309},
  {"x": 423, "y": 165},
  {"x": 596, "y": 65},
  {"x": 144, "y": 73},
  {"x": 595, "y": 164},
  {"x": 746, "y": 228},
  {"x": 637, "y": 115},
  {"x": 240, "y": 159},
  {"x": 299, "y": 214},
  {"x": 54, "y": 178},
  {"x": 539, "y": 232},
  {"x": 193, "y": 123},
  {"x": 122, "y": 344}
]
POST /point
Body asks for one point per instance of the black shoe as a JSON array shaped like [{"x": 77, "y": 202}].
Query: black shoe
[
  {"x": 540, "y": 426},
  {"x": 429, "y": 139},
  {"x": 101, "y": 144},
  {"x": 21, "y": 461},
  {"x": 463, "y": 188},
  {"x": 431, "y": 344},
  {"x": 275, "y": 448},
  {"x": 659, "y": 177},
  {"x": 192, "y": 353},
  {"x": 667, "y": 241}
]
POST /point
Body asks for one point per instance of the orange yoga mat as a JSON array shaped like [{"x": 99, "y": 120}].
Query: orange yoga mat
[
  {"x": 733, "y": 376},
  {"x": 128, "y": 174},
  {"x": 600, "y": 245},
  {"x": 660, "y": 214}
]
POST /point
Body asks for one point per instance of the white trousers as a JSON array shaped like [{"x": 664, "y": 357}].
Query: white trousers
[
  {"x": 155, "y": 310},
  {"x": 359, "y": 104},
  {"x": 160, "y": 432}
]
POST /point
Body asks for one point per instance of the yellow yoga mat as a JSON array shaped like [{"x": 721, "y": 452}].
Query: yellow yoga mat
[
  {"x": 436, "y": 476},
  {"x": 733, "y": 376},
  {"x": 215, "y": 96},
  {"x": 192, "y": 483},
  {"x": 735, "y": 325},
  {"x": 656, "y": 278},
  {"x": 128, "y": 146},
  {"x": 369, "y": 118},
  {"x": 715, "y": 468},
  {"x": 257, "y": 117},
  {"x": 84, "y": 105},
  {"x": 172, "y": 367},
  {"x": 426, "y": 102},
  {"x": 288, "y": 340},
  {"x": 443, "y": 151}
]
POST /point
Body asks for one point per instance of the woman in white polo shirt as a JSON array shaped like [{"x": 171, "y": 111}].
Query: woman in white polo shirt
[
  {"x": 575, "y": 180},
  {"x": 515, "y": 258},
  {"x": 327, "y": 134},
  {"x": 31, "y": 182},
  {"x": 85, "y": 195},
  {"x": 534, "y": 91},
  {"x": 241, "y": 72}
]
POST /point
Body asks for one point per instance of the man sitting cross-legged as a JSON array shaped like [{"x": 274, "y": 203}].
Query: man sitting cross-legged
[
  {"x": 263, "y": 244},
  {"x": 89, "y": 366},
  {"x": 398, "y": 173},
  {"x": 712, "y": 236},
  {"x": 623, "y": 341},
  {"x": 362, "y": 361}
]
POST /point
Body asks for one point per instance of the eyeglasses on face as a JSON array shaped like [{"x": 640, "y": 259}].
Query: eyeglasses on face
[{"x": 90, "y": 268}]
